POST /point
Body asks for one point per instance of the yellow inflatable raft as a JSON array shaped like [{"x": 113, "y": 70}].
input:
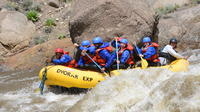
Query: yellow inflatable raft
[{"x": 70, "y": 77}]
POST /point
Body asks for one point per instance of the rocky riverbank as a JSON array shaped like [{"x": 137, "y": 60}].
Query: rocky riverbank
[{"x": 30, "y": 30}]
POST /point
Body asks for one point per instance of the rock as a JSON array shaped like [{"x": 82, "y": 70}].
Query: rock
[
  {"x": 54, "y": 3},
  {"x": 163, "y": 3},
  {"x": 184, "y": 25},
  {"x": 36, "y": 56},
  {"x": 2, "y": 3},
  {"x": 91, "y": 18},
  {"x": 15, "y": 31}
]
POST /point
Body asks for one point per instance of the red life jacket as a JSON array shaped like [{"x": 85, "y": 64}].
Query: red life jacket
[
  {"x": 66, "y": 52},
  {"x": 98, "y": 58},
  {"x": 153, "y": 58},
  {"x": 130, "y": 59},
  {"x": 86, "y": 59},
  {"x": 72, "y": 63}
]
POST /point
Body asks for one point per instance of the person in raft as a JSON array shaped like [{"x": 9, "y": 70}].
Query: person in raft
[
  {"x": 84, "y": 60},
  {"x": 125, "y": 55},
  {"x": 62, "y": 58},
  {"x": 149, "y": 52},
  {"x": 102, "y": 53},
  {"x": 169, "y": 54}
]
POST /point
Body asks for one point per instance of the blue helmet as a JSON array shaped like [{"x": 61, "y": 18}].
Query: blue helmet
[
  {"x": 97, "y": 40},
  {"x": 125, "y": 41},
  {"x": 85, "y": 43},
  {"x": 146, "y": 39}
]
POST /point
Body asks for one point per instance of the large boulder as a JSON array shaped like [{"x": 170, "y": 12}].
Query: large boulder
[
  {"x": 15, "y": 31},
  {"x": 2, "y": 3},
  {"x": 54, "y": 3},
  {"x": 36, "y": 56},
  {"x": 184, "y": 25},
  {"x": 164, "y": 3},
  {"x": 91, "y": 18}
]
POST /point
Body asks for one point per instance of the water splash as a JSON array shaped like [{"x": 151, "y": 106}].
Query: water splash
[{"x": 150, "y": 90}]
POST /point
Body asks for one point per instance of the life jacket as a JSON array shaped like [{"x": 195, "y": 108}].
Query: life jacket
[
  {"x": 72, "y": 63},
  {"x": 153, "y": 58},
  {"x": 130, "y": 59},
  {"x": 98, "y": 58},
  {"x": 86, "y": 59},
  {"x": 66, "y": 52}
]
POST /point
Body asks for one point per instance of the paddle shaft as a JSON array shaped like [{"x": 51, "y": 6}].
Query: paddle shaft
[
  {"x": 44, "y": 78},
  {"x": 96, "y": 64},
  {"x": 144, "y": 62},
  {"x": 116, "y": 45}
]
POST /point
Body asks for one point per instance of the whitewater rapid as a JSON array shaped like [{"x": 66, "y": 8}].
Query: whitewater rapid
[{"x": 150, "y": 90}]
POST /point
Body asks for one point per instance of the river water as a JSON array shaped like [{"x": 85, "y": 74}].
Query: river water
[{"x": 150, "y": 90}]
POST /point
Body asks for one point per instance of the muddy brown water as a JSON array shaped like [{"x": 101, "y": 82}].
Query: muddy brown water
[{"x": 152, "y": 90}]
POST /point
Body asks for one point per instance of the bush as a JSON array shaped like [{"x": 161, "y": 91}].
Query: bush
[
  {"x": 32, "y": 15},
  {"x": 11, "y": 6},
  {"x": 48, "y": 30},
  {"x": 36, "y": 7},
  {"x": 61, "y": 36},
  {"x": 40, "y": 40},
  {"x": 196, "y": 1},
  {"x": 167, "y": 9},
  {"x": 66, "y": 1},
  {"x": 26, "y": 4},
  {"x": 50, "y": 22}
]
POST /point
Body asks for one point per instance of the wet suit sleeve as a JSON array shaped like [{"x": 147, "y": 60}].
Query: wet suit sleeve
[
  {"x": 105, "y": 54},
  {"x": 64, "y": 59},
  {"x": 92, "y": 50},
  {"x": 150, "y": 52},
  {"x": 124, "y": 57},
  {"x": 111, "y": 60},
  {"x": 81, "y": 62}
]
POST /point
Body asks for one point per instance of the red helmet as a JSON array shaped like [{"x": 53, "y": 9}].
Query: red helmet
[{"x": 59, "y": 50}]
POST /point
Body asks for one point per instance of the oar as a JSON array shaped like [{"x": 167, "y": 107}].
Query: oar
[
  {"x": 96, "y": 64},
  {"x": 44, "y": 78},
  {"x": 144, "y": 62},
  {"x": 116, "y": 45}
]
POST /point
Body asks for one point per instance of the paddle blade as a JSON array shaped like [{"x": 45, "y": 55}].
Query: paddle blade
[
  {"x": 37, "y": 90},
  {"x": 144, "y": 63}
]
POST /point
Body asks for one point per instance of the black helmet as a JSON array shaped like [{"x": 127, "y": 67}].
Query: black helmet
[{"x": 173, "y": 40}]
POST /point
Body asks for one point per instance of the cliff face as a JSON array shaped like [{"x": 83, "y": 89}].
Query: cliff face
[
  {"x": 85, "y": 19},
  {"x": 90, "y": 18},
  {"x": 184, "y": 25}
]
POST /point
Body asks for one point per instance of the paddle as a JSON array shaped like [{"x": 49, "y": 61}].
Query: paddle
[
  {"x": 144, "y": 62},
  {"x": 116, "y": 45},
  {"x": 44, "y": 78},
  {"x": 96, "y": 64}
]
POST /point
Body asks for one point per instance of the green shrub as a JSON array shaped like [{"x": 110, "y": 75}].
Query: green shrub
[
  {"x": 40, "y": 40},
  {"x": 61, "y": 36},
  {"x": 66, "y": 1},
  {"x": 11, "y": 6},
  {"x": 48, "y": 29},
  {"x": 26, "y": 4},
  {"x": 167, "y": 9},
  {"x": 32, "y": 15},
  {"x": 196, "y": 1},
  {"x": 36, "y": 7},
  {"x": 50, "y": 22}
]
